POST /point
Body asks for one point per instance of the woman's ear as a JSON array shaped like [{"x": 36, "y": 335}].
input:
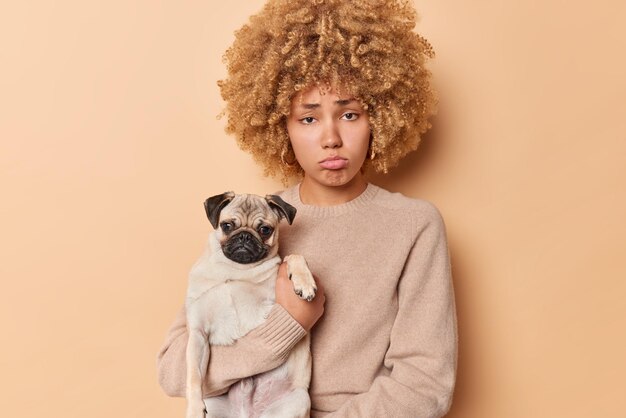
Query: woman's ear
[{"x": 369, "y": 155}]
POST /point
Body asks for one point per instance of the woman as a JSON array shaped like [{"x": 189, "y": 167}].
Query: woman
[{"x": 326, "y": 90}]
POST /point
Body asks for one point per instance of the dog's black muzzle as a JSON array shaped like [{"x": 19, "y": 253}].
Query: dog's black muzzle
[{"x": 244, "y": 248}]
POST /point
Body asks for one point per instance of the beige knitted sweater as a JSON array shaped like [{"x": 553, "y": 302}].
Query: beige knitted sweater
[{"x": 386, "y": 345}]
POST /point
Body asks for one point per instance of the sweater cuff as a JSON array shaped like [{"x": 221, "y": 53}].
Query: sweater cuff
[{"x": 280, "y": 331}]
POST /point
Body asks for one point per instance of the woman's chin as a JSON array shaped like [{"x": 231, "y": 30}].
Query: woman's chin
[{"x": 336, "y": 178}]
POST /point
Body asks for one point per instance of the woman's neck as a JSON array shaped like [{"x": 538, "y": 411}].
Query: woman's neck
[{"x": 317, "y": 194}]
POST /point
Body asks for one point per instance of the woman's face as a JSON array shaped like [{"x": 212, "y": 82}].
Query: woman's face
[{"x": 322, "y": 126}]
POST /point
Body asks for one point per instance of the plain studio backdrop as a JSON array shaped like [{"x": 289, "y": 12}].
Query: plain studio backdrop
[{"x": 110, "y": 144}]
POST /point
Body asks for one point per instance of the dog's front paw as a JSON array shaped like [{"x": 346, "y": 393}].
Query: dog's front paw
[
  {"x": 301, "y": 277},
  {"x": 195, "y": 409},
  {"x": 303, "y": 289}
]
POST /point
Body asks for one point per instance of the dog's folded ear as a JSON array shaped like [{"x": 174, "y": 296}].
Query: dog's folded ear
[
  {"x": 282, "y": 208},
  {"x": 214, "y": 205}
]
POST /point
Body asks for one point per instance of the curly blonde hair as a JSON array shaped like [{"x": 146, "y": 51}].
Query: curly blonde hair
[{"x": 367, "y": 47}]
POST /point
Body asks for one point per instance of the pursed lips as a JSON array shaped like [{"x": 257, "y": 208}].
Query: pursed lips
[
  {"x": 334, "y": 157},
  {"x": 334, "y": 163}
]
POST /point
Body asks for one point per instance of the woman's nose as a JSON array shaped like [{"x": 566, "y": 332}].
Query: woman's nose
[{"x": 331, "y": 138}]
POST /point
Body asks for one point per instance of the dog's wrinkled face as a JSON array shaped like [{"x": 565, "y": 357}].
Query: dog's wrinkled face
[{"x": 247, "y": 225}]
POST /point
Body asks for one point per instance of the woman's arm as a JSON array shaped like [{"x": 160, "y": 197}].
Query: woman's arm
[
  {"x": 262, "y": 349},
  {"x": 422, "y": 355}
]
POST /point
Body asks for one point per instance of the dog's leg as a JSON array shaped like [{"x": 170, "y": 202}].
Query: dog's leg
[
  {"x": 297, "y": 403},
  {"x": 197, "y": 360},
  {"x": 301, "y": 277},
  {"x": 299, "y": 363},
  {"x": 218, "y": 407}
]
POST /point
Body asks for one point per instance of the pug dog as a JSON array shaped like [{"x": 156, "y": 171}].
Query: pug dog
[{"x": 230, "y": 292}]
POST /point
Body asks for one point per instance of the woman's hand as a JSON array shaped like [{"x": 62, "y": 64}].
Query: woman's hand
[{"x": 306, "y": 313}]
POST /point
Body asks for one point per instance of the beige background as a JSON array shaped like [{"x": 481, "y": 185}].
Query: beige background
[{"x": 110, "y": 144}]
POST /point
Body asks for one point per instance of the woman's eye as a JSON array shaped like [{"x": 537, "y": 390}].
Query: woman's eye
[
  {"x": 226, "y": 226},
  {"x": 265, "y": 230},
  {"x": 350, "y": 116},
  {"x": 308, "y": 120}
]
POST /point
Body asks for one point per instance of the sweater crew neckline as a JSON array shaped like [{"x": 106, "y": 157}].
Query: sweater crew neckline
[{"x": 358, "y": 202}]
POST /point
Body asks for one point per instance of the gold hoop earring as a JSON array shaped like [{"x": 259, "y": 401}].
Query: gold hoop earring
[
  {"x": 282, "y": 157},
  {"x": 370, "y": 150}
]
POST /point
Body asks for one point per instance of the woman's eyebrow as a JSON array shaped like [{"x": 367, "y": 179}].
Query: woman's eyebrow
[{"x": 343, "y": 102}]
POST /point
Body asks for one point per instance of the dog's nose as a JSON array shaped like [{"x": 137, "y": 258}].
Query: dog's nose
[{"x": 244, "y": 237}]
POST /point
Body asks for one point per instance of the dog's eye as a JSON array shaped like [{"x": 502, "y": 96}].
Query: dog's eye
[
  {"x": 265, "y": 231},
  {"x": 226, "y": 226}
]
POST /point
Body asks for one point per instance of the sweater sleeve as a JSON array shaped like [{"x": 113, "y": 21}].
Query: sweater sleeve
[
  {"x": 422, "y": 355},
  {"x": 262, "y": 349}
]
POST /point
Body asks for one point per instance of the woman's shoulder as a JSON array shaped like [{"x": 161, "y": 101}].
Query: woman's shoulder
[
  {"x": 422, "y": 209},
  {"x": 286, "y": 193}
]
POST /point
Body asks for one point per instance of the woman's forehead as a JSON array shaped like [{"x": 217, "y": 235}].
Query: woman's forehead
[{"x": 313, "y": 94}]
